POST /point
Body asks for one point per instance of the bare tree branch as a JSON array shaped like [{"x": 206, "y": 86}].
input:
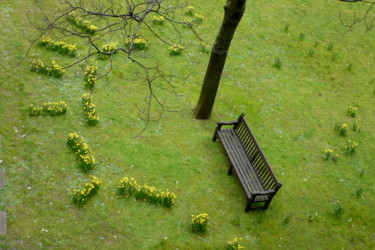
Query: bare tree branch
[
  {"x": 364, "y": 18},
  {"x": 124, "y": 20}
]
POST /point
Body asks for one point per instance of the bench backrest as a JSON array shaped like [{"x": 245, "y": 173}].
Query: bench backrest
[{"x": 255, "y": 154}]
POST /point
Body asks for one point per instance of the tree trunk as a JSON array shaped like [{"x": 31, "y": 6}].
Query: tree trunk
[{"x": 233, "y": 12}]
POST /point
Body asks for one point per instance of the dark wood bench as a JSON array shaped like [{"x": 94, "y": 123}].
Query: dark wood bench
[{"x": 248, "y": 162}]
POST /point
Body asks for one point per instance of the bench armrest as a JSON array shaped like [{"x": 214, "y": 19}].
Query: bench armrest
[
  {"x": 263, "y": 192},
  {"x": 219, "y": 124},
  {"x": 218, "y": 127}
]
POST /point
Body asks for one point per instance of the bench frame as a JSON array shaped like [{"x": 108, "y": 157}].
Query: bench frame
[{"x": 248, "y": 162}]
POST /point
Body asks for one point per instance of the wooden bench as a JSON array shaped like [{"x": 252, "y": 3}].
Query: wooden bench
[{"x": 249, "y": 163}]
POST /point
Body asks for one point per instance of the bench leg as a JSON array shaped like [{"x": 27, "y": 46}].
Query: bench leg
[
  {"x": 215, "y": 135},
  {"x": 230, "y": 170},
  {"x": 248, "y": 204},
  {"x": 266, "y": 205},
  {"x": 247, "y": 208}
]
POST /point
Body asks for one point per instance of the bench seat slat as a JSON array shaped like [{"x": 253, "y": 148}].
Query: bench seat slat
[
  {"x": 237, "y": 161},
  {"x": 244, "y": 166},
  {"x": 240, "y": 161}
]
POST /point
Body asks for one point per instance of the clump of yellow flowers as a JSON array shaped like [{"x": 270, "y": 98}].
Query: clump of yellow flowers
[
  {"x": 40, "y": 67},
  {"x": 351, "y": 146},
  {"x": 81, "y": 196},
  {"x": 109, "y": 47},
  {"x": 352, "y": 111},
  {"x": 89, "y": 109},
  {"x": 342, "y": 128},
  {"x": 175, "y": 49},
  {"x": 199, "y": 223},
  {"x": 190, "y": 11},
  {"x": 327, "y": 153},
  {"x": 90, "y": 76},
  {"x": 83, "y": 25},
  {"x": 330, "y": 154},
  {"x": 82, "y": 151},
  {"x": 129, "y": 186},
  {"x": 49, "y": 109},
  {"x": 59, "y": 46},
  {"x": 205, "y": 47},
  {"x": 140, "y": 43},
  {"x": 198, "y": 19},
  {"x": 158, "y": 20},
  {"x": 234, "y": 245}
]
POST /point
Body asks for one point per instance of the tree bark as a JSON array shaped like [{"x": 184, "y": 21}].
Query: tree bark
[{"x": 233, "y": 12}]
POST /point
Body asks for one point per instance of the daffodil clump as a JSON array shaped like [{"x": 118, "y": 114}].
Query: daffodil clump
[
  {"x": 40, "y": 67},
  {"x": 199, "y": 223},
  {"x": 109, "y": 47},
  {"x": 188, "y": 22},
  {"x": 82, "y": 151},
  {"x": 234, "y": 244},
  {"x": 158, "y": 20},
  {"x": 198, "y": 19},
  {"x": 194, "y": 17},
  {"x": 328, "y": 153},
  {"x": 129, "y": 186},
  {"x": 175, "y": 50},
  {"x": 352, "y": 111},
  {"x": 342, "y": 128},
  {"x": 205, "y": 47},
  {"x": 89, "y": 109},
  {"x": 356, "y": 127},
  {"x": 81, "y": 196},
  {"x": 61, "y": 47},
  {"x": 49, "y": 109},
  {"x": 83, "y": 25},
  {"x": 90, "y": 76},
  {"x": 140, "y": 43},
  {"x": 351, "y": 146},
  {"x": 190, "y": 11}
]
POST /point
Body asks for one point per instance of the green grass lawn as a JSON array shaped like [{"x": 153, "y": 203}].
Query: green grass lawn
[{"x": 292, "y": 111}]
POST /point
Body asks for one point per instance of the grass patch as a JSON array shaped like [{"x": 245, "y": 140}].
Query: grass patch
[{"x": 291, "y": 111}]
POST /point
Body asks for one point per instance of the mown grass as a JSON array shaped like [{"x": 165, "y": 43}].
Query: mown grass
[{"x": 292, "y": 111}]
